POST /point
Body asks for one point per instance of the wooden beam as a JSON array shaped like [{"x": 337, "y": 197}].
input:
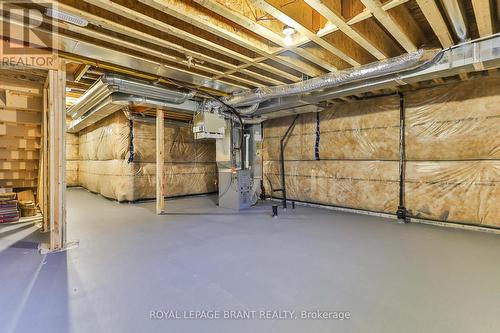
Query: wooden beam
[
  {"x": 322, "y": 8},
  {"x": 160, "y": 163},
  {"x": 288, "y": 20},
  {"x": 194, "y": 17},
  {"x": 431, "y": 12},
  {"x": 57, "y": 157},
  {"x": 80, "y": 72},
  {"x": 133, "y": 32},
  {"x": 366, "y": 14},
  {"x": 482, "y": 11},
  {"x": 108, "y": 41},
  {"x": 44, "y": 159},
  {"x": 251, "y": 24},
  {"x": 157, "y": 24},
  {"x": 375, "y": 6}
]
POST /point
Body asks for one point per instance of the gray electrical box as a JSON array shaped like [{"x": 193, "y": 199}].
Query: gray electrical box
[{"x": 235, "y": 189}]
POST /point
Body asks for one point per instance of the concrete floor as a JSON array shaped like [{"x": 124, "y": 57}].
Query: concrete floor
[{"x": 391, "y": 277}]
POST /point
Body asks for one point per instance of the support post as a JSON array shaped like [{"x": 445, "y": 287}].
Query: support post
[
  {"x": 43, "y": 194},
  {"x": 160, "y": 163},
  {"x": 57, "y": 156}
]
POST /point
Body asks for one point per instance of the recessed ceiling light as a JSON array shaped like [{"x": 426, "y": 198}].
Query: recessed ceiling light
[
  {"x": 288, "y": 30},
  {"x": 66, "y": 17}
]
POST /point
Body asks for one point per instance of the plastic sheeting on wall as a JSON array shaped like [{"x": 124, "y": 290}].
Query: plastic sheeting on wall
[
  {"x": 367, "y": 185},
  {"x": 124, "y": 181},
  {"x": 454, "y": 122},
  {"x": 72, "y": 157},
  {"x": 105, "y": 150},
  {"x": 459, "y": 191},
  {"x": 453, "y": 151},
  {"x": 364, "y": 130},
  {"x": 109, "y": 139},
  {"x": 452, "y": 154},
  {"x": 359, "y": 148}
]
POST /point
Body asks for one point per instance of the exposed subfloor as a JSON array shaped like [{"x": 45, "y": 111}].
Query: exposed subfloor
[{"x": 391, "y": 277}]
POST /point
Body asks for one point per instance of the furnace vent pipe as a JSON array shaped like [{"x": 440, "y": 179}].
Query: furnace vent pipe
[
  {"x": 252, "y": 98},
  {"x": 455, "y": 14}
]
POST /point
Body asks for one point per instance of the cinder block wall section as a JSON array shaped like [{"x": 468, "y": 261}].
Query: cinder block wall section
[
  {"x": 452, "y": 154},
  {"x": 117, "y": 160},
  {"x": 21, "y": 107}
]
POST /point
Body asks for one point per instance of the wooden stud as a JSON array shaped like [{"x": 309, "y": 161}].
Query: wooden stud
[
  {"x": 44, "y": 160},
  {"x": 57, "y": 157},
  {"x": 160, "y": 163}
]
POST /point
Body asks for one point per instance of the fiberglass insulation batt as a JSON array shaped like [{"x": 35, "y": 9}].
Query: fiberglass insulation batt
[
  {"x": 452, "y": 162},
  {"x": 105, "y": 165}
]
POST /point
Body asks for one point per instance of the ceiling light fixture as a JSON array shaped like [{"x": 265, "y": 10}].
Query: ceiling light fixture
[
  {"x": 288, "y": 30},
  {"x": 66, "y": 17}
]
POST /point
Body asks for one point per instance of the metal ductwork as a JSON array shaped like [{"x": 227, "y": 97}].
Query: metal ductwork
[
  {"x": 476, "y": 55},
  {"x": 328, "y": 81},
  {"x": 455, "y": 14},
  {"x": 112, "y": 93}
]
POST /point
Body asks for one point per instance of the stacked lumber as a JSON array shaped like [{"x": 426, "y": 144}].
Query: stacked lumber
[
  {"x": 8, "y": 208},
  {"x": 21, "y": 107}
]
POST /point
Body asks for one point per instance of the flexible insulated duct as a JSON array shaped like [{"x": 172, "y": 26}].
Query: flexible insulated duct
[
  {"x": 109, "y": 84},
  {"x": 404, "y": 62}
]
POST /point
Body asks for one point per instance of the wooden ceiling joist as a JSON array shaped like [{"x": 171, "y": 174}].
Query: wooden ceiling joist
[
  {"x": 157, "y": 24},
  {"x": 81, "y": 72},
  {"x": 250, "y": 23},
  {"x": 482, "y": 12},
  {"x": 199, "y": 19},
  {"x": 431, "y": 12},
  {"x": 241, "y": 43},
  {"x": 322, "y": 8},
  {"x": 375, "y": 6},
  {"x": 303, "y": 30},
  {"x": 148, "y": 38},
  {"x": 134, "y": 32}
]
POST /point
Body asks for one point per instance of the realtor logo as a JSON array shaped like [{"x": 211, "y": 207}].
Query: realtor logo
[{"x": 28, "y": 35}]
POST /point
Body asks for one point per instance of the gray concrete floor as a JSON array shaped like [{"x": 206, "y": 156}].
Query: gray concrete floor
[{"x": 391, "y": 277}]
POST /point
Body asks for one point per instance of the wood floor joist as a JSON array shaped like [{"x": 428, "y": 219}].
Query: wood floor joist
[
  {"x": 241, "y": 43},
  {"x": 193, "y": 16},
  {"x": 375, "y": 6},
  {"x": 157, "y": 24},
  {"x": 484, "y": 18}
]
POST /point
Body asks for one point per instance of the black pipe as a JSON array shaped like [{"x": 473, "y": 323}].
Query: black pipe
[
  {"x": 401, "y": 213},
  {"x": 131, "y": 141},
  {"x": 282, "y": 158},
  {"x": 275, "y": 210}
]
